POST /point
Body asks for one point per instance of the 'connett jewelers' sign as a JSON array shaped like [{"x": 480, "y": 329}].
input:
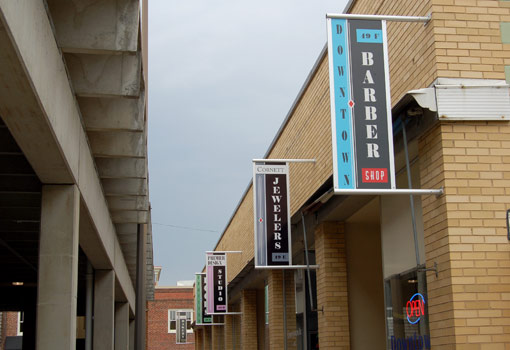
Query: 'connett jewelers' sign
[
  {"x": 271, "y": 214},
  {"x": 360, "y": 105}
]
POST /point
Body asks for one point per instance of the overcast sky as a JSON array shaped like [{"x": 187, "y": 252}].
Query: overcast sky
[{"x": 222, "y": 77}]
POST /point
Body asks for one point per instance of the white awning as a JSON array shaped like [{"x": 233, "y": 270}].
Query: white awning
[{"x": 466, "y": 99}]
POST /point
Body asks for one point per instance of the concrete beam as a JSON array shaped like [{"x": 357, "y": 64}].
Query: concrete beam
[
  {"x": 19, "y": 107},
  {"x": 40, "y": 110},
  {"x": 105, "y": 75},
  {"x": 127, "y": 217},
  {"x": 122, "y": 187},
  {"x": 127, "y": 241},
  {"x": 106, "y": 114},
  {"x": 126, "y": 229},
  {"x": 87, "y": 26},
  {"x": 122, "y": 167},
  {"x": 118, "y": 203},
  {"x": 118, "y": 144}
]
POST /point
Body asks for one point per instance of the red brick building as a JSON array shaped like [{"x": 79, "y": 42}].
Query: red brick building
[
  {"x": 161, "y": 318},
  {"x": 10, "y": 328}
]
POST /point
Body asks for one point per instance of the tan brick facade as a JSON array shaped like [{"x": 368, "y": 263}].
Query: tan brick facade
[
  {"x": 276, "y": 316},
  {"x": 464, "y": 229},
  {"x": 249, "y": 319},
  {"x": 463, "y": 40},
  {"x": 218, "y": 334},
  {"x": 466, "y": 234},
  {"x": 332, "y": 296},
  {"x": 199, "y": 342},
  {"x": 228, "y": 330},
  {"x": 207, "y": 338}
]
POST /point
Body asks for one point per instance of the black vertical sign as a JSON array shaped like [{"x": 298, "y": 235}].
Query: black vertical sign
[
  {"x": 370, "y": 104},
  {"x": 205, "y": 317},
  {"x": 220, "y": 290},
  {"x": 271, "y": 214},
  {"x": 182, "y": 331},
  {"x": 277, "y": 224}
]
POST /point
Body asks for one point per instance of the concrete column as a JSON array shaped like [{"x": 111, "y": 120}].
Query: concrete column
[
  {"x": 132, "y": 324},
  {"x": 276, "y": 315},
  {"x": 104, "y": 310},
  {"x": 141, "y": 303},
  {"x": 58, "y": 268},
  {"x": 249, "y": 319},
  {"x": 332, "y": 295},
  {"x": 121, "y": 326}
]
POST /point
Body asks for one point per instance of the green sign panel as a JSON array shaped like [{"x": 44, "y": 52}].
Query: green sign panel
[{"x": 200, "y": 301}]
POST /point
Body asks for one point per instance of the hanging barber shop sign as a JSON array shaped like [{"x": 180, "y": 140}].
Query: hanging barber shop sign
[
  {"x": 360, "y": 105},
  {"x": 271, "y": 214},
  {"x": 216, "y": 283}
]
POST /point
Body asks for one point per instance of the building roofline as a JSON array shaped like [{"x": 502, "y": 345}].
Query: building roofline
[{"x": 293, "y": 107}]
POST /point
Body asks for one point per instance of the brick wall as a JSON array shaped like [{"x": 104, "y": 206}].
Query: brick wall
[
  {"x": 464, "y": 39},
  {"x": 412, "y": 61},
  {"x": 468, "y": 38},
  {"x": 276, "y": 316},
  {"x": 11, "y": 324},
  {"x": 218, "y": 334},
  {"x": 207, "y": 338},
  {"x": 199, "y": 344},
  {"x": 332, "y": 294},
  {"x": 249, "y": 339},
  {"x": 158, "y": 337},
  {"x": 465, "y": 233},
  {"x": 228, "y": 328}
]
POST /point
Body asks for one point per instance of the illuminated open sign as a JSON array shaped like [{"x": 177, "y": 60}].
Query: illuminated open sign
[{"x": 415, "y": 308}]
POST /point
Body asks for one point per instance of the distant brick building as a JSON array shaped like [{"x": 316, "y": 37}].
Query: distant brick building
[
  {"x": 10, "y": 328},
  {"x": 161, "y": 318}
]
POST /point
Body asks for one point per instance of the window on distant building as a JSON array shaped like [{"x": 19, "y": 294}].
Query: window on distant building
[
  {"x": 172, "y": 319},
  {"x": 21, "y": 317}
]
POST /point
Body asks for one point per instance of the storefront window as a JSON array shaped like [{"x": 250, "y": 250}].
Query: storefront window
[
  {"x": 406, "y": 299},
  {"x": 405, "y": 282}
]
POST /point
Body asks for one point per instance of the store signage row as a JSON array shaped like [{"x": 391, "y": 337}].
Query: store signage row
[
  {"x": 201, "y": 317},
  {"x": 360, "y": 105},
  {"x": 216, "y": 283},
  {"x": 271, "y": 214}
]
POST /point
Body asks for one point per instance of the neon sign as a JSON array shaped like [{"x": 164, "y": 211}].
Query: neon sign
[{"x": 415, "y": 308}]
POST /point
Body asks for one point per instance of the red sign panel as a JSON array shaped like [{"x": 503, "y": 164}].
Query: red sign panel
[{"x": 374, "y": 175}]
